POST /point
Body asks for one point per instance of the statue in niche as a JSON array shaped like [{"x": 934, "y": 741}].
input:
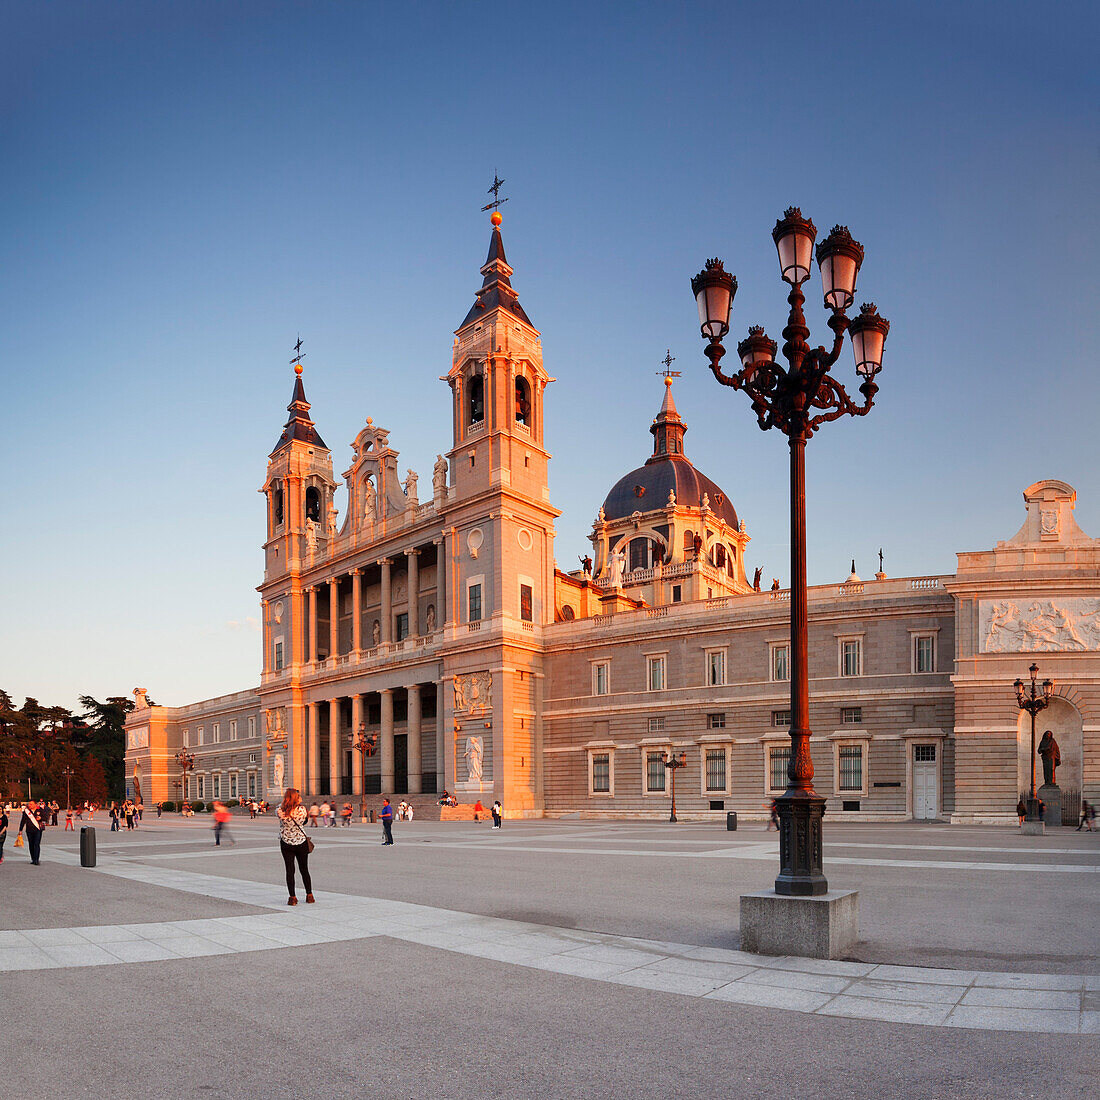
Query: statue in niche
[
  {"x": 376, "y": 632},
  {"x": 1051, "y": 756},
  {"x": 475, "y": 753},
  {"x": 410, "y": 487},
  {"x": 756, "y": 579},
  {"x": 429, "y": 618},
  {"x": 311, "y": 537},
  {"x": 368, "y": 501},
  {"x": 439, "y": 477}
]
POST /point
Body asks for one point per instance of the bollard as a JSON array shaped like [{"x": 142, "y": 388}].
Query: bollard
[
  {"x": 372, "y": 817},
  {"x": 731, "y": 822},
  {"x": 87, "y": 846}
]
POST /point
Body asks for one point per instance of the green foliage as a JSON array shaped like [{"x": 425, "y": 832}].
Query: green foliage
[
  {"x": 104, "y": 729},
  {"x": 198, "y": 806},
  {"x": 233, "y": 802},
  {"x": 168, "y": 807}
]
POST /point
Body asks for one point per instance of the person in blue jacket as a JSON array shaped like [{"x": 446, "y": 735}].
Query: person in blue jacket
[{"x": 387, "y": 821}]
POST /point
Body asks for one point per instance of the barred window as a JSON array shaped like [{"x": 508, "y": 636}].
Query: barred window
[
  {"x": 251, "y": 784},
  {"x": 716, "y": 769},
  {"x": 851, "y": 767},
  {"x": 654, "y": 772},
  {"x": 601, "y": 773},
  {"x": 924, "y": 754},
  {"x": 779, "y": 759}
]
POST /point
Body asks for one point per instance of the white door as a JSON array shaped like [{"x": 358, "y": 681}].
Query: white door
[{"x": 926, "y": 782}]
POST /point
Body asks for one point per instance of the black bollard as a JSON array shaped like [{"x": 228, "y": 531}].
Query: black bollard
[{"x": 87, "y": 846}]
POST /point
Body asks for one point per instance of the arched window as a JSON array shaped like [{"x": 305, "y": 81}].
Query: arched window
[
  {"x": 720, "y": 556},
  {"x": 313, "y": 504},
  {"x": 523, "y": 402},
  {"x": 641, "y": 554},
  {"x": 476, "y": 409},
  {"x": 730, "y": 560},
  {"x": 277, "y": 505}
]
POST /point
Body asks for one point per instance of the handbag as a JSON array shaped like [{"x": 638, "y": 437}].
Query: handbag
[
  {"x": 309, "y": 844},
  {"x": 19, "y": 841}
]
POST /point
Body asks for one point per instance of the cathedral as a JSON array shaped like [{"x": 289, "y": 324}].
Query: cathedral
[{"x": 430, "y": 641}]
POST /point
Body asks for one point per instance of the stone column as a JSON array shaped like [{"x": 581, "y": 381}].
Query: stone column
[
  {"x": 414, "y": 739},
  {"x": 334, "y": 618},
  {"x": 356, "y": 615},
  {"x": 414, "y": 591},
  {"x": 268, "y": 661},
  {"x": 356, "y": 755},
  {"x": 441, "y": 615},
  {"x": 385, "y": 747},
  {"x": 387, "y": 606},
  {"x": 444, "y": 734},
  {"x": 334, "y": 751},
  {"x": 314, "y": 736},
  {"x": 312, "y": 622}
]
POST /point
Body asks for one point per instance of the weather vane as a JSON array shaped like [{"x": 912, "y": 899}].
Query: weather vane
[
  {"x": 497, "y": 202},
  {"x": 299, "y": 355},
  {"x": 668, "y": 360}
]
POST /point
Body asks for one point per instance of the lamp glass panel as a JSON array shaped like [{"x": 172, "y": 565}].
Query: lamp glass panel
[
  {"x": 804, "y": 245},
  {"x": 787, "y": 255}
]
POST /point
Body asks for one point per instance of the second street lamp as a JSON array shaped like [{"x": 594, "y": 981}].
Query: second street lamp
[
  {"x": 364, "y": 743},
  {"x": 672, "y": 764},
  {"x": 1033, "y": 702},
  {"x": 798, "y": 399},
  {"x": 186, "y": 762}
]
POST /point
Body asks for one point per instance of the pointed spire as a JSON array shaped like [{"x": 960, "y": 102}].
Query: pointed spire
[
  {"x": 299, "y": 426},
  {"x": 496, "y": 288},
  {"x": 668, "y": 429}
]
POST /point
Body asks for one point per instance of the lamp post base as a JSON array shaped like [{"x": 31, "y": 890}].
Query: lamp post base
[
  {"x": 800, "y": 873},
  {"x": 822, "y": 927}
]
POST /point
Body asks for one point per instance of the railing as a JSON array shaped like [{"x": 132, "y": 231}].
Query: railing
[
  {"x": 715, "y": 604},
  {"x": 475, "y": 429},
  {"x": 918, "y": 583},
  {"x": 528, "y": 627},
  {"x": 656, "y": 612},
  {"x": 474, "y": 626},
  {"x": 850, "y": 588},
  {"x": 782, "y": 594}
]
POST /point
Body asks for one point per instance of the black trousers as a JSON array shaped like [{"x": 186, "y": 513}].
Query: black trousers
[
  {"x": 387, "y": 828},
  {"x": 299, "y": 852},
  {"x": 34, "y": 843}
]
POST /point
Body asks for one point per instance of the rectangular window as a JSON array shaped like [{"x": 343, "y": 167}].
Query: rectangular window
[
  {"x": 677, "y": 593},
  {"x": 401, "y": 626},
  {"x": 851, "y": 716},
  {"x": 716, "y": 667},
  {"x": 253, "y": 757},
  {"x": 657, "y": 725},
  {"x": 781, "y": 662},
  {"x": 923, "y": 653},
  {"x": 601, "y": 678},
  {"x": 778, "y": 759},
  {"x": 278, "y": 654},
  {"x": 216, "y": 729},
  {"x": 525, "y": 612},
  {"x": 233, "y": 785},
  {"x": 654, "y": 772},
  {"x": 251, "y": 784},
  {"x": 781, "y": 717},
  {"x": 924, "y": 754},
  {"x": 716, "y": 769},
  {"x": 252, "y": 727},
  {"x": 716, "y": 721},
  {"x": 233, "y": 731},
  {"x": 202, "y": 786},
  {"x": 601, "y": 773},
  {"x": 217, "y": 785},
  {"x": 186, "y": 739},
  {"x": 474, "y": 604},
  {"x": 851, "y": 767},
  {"x": 851, "y": 657},
  {"x": 655, "y": 673},
  {"x": 200, "y": 736}
]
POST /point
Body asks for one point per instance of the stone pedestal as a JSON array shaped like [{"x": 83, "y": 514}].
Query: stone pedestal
[
  {"x": 1033, "y": 828},
  {"x": 1051, "y": 796},
  {"x": 821, "y": 927}
]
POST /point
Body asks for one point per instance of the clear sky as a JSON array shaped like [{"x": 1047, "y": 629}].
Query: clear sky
[{"x": 189, "y": 186}]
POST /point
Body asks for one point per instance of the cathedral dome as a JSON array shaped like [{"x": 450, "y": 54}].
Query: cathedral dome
[{"x": 647, "y": 488}]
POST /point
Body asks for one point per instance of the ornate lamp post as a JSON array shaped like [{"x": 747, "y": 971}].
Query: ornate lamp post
[
  {"x": 672, "y": 763},
  {"x": 68, "y": 773},
  {"x": 1032, "y": 701},
  {"x": 798, "y": 399},
  {"x": 364, "y": 743},
  {"x": 186, "y": 762}
]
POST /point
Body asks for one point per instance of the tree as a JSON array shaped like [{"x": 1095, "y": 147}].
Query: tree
[
  {"x": 106, "y": 723},
  {"x": 93, "y": 783}
]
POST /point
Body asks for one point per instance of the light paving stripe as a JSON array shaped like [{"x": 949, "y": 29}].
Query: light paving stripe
[{"x": 893, "y": 994}]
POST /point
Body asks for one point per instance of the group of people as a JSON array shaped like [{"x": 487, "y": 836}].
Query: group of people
[
  {"x": 325, "y": 815},
  {"x": 34, "y": 819},
  {"x": 129, "y": 811}
]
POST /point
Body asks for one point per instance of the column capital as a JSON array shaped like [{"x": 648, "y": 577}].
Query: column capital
[
  {"x": 311, "y": 589},
  {"x": 412, "y": 552},
  {"x": 334, "y": 580},
  {"x": 413, "y": 687},
  {"x": 384, "y": 561},
  {"x": 385, "y": 691},
  {"x": 356, "y": 572}
]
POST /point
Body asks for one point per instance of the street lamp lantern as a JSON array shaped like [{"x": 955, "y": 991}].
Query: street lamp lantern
[
  {"x": 672, "y": 763},
  {"x": 797, "y": 398},
  {"x": 714, "y": 288},
  {"x": 794, "y": 238},
  {"x": 839, "y": 257},
  {"x": 365, "y": 744},
  {"x": 1033, "y": 698},
  {"x": 868, "y": 332}
]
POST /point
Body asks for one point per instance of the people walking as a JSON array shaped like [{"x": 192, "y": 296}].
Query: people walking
[
  {"x": 54, "y": 809},
  {"x": 346, "y": 815},
  {"x": 69, "y": 821},
  {"x": 314, "y": 813},
  {"x": 1021, "y": 810},
  {"x": 387, "y": 821},
  {"x": 1088, "y": 815},
  {"x": 496, "y": 808},
  {"x": 294, "y": 843},
  {"x": 113, "y": 813},
  {"x": 774, "y": 816},
  {"x": 3, "y": 829},
  {"x": 32, "y": 820}
]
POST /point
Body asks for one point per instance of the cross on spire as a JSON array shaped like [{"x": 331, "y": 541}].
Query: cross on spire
[
  {"x": 668, "y": 360},
  {"x": 299, "y": 355},
  {"x": 498, "y": 183}
]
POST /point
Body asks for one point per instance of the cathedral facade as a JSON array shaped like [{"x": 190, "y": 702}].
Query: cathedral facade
[{"x": 441, "y": 633}]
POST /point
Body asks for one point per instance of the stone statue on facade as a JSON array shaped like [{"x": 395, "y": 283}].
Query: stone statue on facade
[
  {"x": 615, "y": 568},
  {"x": 368, "y": 502},
  {"x": 410, "y": 487},
  {"x": 140, "y": 700},
  {"x": 332, "y": 513},
  {"x": 586, "y": 565},
  {"x": 1051, "y": 756},
  {"x": 775, "y": 584},
  {"x": 475, "y": 753},
  {"x": 429, "y": 618},
  {"x": 439, "y": 480},
  {"x": 278, "y": 771},
  {"x": 311, "y": 538},
  {"x": 376, "y": 632},
  {"x": 756, "y": 579}
]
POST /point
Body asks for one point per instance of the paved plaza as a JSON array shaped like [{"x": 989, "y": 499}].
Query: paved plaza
[{"x": 571, "y": 958}]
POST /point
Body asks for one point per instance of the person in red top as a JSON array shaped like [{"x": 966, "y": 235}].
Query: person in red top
[
  {"x": 478, "y": 810},
  {"x": 222, "y": 817}
]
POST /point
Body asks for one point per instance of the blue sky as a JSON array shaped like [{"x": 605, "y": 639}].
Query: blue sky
[{"x": 189, "y": 186}]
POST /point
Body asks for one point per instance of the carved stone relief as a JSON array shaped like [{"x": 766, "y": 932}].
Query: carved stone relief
[
  {"x": 473, "y": 693},
  {"x": 1039, "y": 626}
]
